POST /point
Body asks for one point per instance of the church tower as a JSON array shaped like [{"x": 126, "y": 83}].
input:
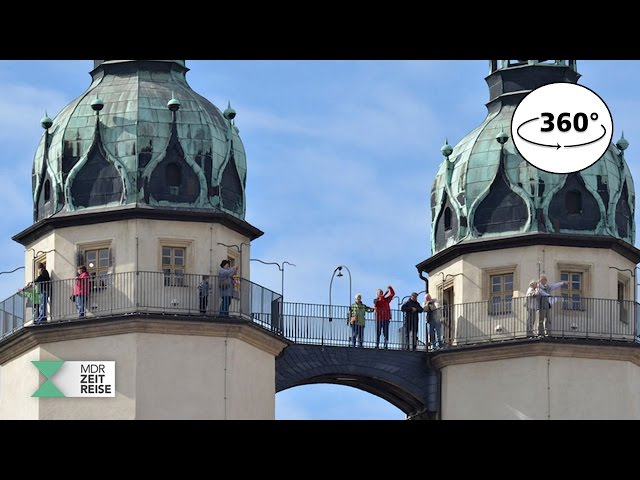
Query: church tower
[
  {"x": 497, "y": 223},
  {"x": 142, "y": 180}
]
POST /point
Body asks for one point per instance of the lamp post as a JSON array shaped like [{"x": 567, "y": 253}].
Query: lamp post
[
  {"x": 338, "y": 271},
  {"x": 281, "y": 268}
]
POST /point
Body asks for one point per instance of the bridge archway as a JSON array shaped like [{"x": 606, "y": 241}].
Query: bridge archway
[
  {"x": 333, "y": 402},
  {"x": 402, "y": 378}
]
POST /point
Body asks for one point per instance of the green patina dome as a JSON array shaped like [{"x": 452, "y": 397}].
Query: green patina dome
[
  {"x": 484, "y": 192},
  {"x": 139, "y": 136}
]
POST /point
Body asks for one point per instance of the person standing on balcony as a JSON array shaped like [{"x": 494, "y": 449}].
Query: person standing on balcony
[
  {"x": 357, "y": 320},
  {"x": 546, "y": 300},
  {"x": 532, "y": 299},
  {"x": 81, "y": 290},
  {"x": 225, "y": 284},
  {"x": 412, "y": 310},
  {"x": 29, "y": 292},
  {"x": 434, "y": 322},
  {"x": 43, "y": 287},
  {"x": 383, "y": 314},
  {"x": 203, "y": 294}
]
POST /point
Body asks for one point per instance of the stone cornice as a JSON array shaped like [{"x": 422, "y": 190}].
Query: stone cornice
[
  {"x": 533, "y": 239},
  {"x": 105, "y": 215},
  {"x": 487, "y": 353},
  {"x": 30, "y": 337}
]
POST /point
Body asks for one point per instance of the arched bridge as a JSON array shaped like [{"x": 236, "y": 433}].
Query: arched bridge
[{"x": 403, "y": 378}]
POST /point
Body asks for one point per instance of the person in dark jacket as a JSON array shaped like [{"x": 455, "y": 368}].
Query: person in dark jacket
[
  {"x": 412, "y": 310},
  {"x": 43, "y": 288},
  {"x": 203, "y": 294},
  {"x": 383, "y": 314},
  {"x": 225, "y": 284}
]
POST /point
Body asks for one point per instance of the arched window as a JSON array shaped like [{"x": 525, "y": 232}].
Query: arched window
[
  {"x": 447, "y": 218},
  {"x": 47, "y": 191},
  {"x": 573, "y": 201},
  {"x": 173, "y": 175}
]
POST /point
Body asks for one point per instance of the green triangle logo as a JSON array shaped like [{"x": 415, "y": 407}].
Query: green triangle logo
[{"x": 48, "y": 368}]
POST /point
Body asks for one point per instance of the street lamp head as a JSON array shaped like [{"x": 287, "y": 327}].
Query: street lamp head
[{"x": 339, "y": 274}]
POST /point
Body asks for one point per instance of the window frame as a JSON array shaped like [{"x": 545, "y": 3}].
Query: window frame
[
  {"x": 488, "y": 294},
  {"x": 171, "y": 279},
  {"x": 585, "y": 270},
  {"x": 98, "y": 276},
  {"x": 170, "y": 270},
  {"x": 568, "y": 293}
]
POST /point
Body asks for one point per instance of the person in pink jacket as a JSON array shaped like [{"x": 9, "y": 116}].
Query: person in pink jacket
[{"x": 81, "y": 290}]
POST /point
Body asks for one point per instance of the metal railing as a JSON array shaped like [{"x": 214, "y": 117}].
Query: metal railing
[
  {"x": 144, "y": 292},
  {"x": 462, "y": 324},
  {"x": 472, "y": 323}
]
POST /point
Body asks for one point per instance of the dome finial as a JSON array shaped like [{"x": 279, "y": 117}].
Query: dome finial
[
  {"x": 229, "y": 113},
  {"x": 622, "y": 144},
  {"x": 97, "y": 105},
  {"x": 45, "y": 121},
  {"x": 174, "y": 103},
  {"x": 446, "y": 148}
]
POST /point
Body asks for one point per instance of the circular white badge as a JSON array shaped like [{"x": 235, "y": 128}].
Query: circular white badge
[{"x": 562, "y": 128}]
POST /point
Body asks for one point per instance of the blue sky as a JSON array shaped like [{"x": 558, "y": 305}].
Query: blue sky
[{"x": 341, "y": 157}]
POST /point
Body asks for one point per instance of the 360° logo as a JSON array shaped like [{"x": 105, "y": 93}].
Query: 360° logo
[{"x": 562, "y": 128}]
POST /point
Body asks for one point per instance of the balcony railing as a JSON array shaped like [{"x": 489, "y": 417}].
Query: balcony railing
[
  {"x": 471, "y": 323},
  {"x": 143, "y": 292},
  {"x": 462, "y": 324}
]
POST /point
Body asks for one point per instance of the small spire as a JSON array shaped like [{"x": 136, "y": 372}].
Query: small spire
[
  {"x": 446, "y": 148},
  {"x": 97, "y": 105},
  {"x": 174, "y": 103},
  {"x": 622, "y": 144},
  {"x": 45, "y": 121},
  {"x": 229, "y": 113},
  {"x": 502, "y": 137}
]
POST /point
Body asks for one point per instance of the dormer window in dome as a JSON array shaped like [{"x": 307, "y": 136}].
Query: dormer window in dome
[
  {"x": 230, "y": 185},
  {"x": 94, "y": 180},
  {"x": 447, "y": 219},
  {"x": 173, "y": 177},
  {"x": 47, "y": 191},
  {"x": 573, "y": 202},
  {"x": 502, "y": 209},
  {"x": 446, "y": 225},
  {"x": 573, "y": 207}
]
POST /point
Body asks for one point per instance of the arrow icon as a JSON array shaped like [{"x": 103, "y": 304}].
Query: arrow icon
[
  {"x": 556, "y": 146},
  {"x": 592, "y": 141}
]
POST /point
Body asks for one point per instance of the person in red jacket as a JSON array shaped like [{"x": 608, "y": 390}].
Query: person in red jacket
[
  {"x": 383, "y": 314},
  {"x": 81, "y": 290}
]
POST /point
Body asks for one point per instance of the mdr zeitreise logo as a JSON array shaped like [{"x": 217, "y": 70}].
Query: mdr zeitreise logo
[{"x": 89, "y": 378}]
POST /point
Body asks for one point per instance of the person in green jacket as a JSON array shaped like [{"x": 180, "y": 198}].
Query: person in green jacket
[
  {"x": 357, "y": 321},
  {"x": 33, "y": 299}
]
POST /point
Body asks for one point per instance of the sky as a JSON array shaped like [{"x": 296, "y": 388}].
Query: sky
[{"x": 341, "y": 156}]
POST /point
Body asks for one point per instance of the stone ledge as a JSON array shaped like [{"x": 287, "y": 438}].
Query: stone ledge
[
  {"x": 30, "y": 337},
  {"x": 487, "y": 353}
]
